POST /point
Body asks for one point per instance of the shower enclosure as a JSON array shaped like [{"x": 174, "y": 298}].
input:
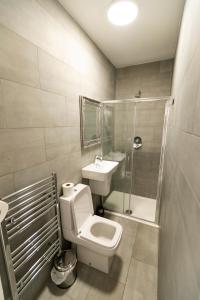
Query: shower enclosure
[{"x": 134, "y": 135}]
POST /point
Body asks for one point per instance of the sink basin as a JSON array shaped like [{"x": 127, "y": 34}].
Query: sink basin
[
  {"x": 100, "y": 175},
  {"x": 100, "y": 171}
]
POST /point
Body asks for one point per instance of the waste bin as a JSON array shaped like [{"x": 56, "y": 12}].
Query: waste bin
[{"x": 64, "y": 271}]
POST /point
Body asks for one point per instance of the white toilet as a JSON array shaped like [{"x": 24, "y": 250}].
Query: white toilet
[{"x": 97, "y": 238}]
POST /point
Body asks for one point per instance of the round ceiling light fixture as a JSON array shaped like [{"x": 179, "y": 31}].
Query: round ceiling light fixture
[{"x": 122, "y": 12}]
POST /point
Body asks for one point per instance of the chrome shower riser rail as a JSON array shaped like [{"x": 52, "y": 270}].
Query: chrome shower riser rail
[{"x": 35, "y": 208}]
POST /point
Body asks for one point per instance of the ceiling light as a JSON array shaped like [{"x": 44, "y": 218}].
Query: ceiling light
[{"x": 122, "y": 12}]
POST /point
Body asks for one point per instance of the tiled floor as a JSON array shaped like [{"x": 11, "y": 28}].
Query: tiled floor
[{"x": 133, "y": 275}]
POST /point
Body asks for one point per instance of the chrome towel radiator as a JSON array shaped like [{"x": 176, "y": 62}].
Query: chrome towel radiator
[{"x": 30, "y": 233}]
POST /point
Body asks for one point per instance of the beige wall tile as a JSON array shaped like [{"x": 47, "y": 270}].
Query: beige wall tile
[
  {"x": 2, "y": 109},
  {"x": 6, "y": 185},
  {"x": 30, "y": 175},
  {"x": 54, "y": 109},
  {"x": 20, "y": 149},
  {"x": 61, "y": 141},
  {"x": 153, "y": 79},
  {"x": 55, "y": 75},
  {"x": 22, "y": 105},
  {"x": 179, "y": 266},
  {"x": 18, "y": 58},
  {"x": 44, "y": 55}
]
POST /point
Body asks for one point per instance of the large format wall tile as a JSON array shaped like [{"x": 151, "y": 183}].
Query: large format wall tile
[
  {"x": 61, "y": 141},
  {"x": 179, "y": 267},
  {"x": 6, "y": 185},
  {"x": 46, "y": 62},
  {"x": 2, "y": 109},
  {"x": 20, "y": 149},
  {"x": 54, "y": 109},
  {"x": 22, "y": 105},
  {"x": 56, "y": 76},
  {"x": 152, "y": 79},
  {"x": 18, "y": 58}
]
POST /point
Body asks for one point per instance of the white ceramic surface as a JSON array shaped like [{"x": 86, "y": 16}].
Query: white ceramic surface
[
  {"x": 3, "y": 210},
  {"x": 100, "y": 171}
]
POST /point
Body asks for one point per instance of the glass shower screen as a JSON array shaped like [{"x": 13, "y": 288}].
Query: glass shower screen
[{"x": 132, "y": 135}]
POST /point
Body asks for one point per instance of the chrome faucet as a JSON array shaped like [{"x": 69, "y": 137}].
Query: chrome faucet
[{"x": 98, "y": 159}]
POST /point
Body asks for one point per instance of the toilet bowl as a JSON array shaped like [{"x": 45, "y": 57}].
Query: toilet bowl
[{"x": 97, "y": 238}]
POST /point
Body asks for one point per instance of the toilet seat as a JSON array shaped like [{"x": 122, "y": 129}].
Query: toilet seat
[{"x": 101, "y": 232}]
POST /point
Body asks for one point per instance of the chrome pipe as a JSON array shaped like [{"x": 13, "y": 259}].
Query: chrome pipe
[
  {"x": 44, "y": 259},
  {"x": 29, "y": 194},
  {"x": 31, "y": 222},
  {"x": 33, "y": 241},
  {"x": 33, "y": 249},
  {"x": 29, "y": 199},
  {"x": 29, "y": 205},
  {"x": 32, "y": 212},
  {"x": 23, "y": 190}
]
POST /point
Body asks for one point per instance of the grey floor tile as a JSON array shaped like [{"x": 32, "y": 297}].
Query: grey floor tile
[
  {"x": 104, "y": 288},
  {"x": 119, "y": 269},
  {"x": 78, "y": 291},
  {"x": 129, "y": 226},
  {"x": 141, "y": 282},
  {"x": 121, "y": 260},
  {"x": 145, "y": 248}
]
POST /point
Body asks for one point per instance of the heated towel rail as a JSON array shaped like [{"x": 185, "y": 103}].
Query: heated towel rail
[{"x": 31, "y": 233}]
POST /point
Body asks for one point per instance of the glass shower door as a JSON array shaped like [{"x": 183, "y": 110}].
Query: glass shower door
[
  {"x": 146, "y": 151},
  {"x": 118, "y": 130}
]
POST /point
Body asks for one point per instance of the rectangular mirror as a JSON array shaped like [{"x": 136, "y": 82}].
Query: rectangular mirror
[{"x": 90, "y": 113}]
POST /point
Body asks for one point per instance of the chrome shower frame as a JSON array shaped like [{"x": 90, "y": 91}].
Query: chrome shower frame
[{"x": 169, "y": 102}]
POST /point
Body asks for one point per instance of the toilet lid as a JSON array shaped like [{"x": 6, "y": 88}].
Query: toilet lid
[{"x": 82, "y": 206}]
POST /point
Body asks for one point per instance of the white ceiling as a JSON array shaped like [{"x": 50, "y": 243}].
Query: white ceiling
[{"x": 151, "y": 37}]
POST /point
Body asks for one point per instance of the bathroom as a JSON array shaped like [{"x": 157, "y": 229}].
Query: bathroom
[{"x": 81, "y": 90}]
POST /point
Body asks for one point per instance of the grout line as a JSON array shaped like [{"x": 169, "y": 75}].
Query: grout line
[{"x": 38, "y": 67}]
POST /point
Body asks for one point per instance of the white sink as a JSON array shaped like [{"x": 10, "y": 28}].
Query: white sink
[
  {"x": 100, "y": 171},
  {"x": 100, "y": 175}
]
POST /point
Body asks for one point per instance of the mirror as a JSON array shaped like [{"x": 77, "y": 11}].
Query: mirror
[{"x": 90, "y": 112}]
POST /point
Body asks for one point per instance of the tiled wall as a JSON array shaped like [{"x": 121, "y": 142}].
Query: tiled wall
[
  {"x": 149, "y": 118},
  {"x": 46, "y": 62},
  {"x": 179, "y": 263},
  {"x": 152, "y": 79}
]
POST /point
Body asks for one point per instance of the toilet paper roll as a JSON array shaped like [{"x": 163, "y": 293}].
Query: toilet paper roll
[{"x": 68, "y": 189}]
